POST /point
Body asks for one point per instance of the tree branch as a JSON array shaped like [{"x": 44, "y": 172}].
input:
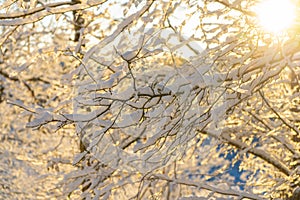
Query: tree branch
[
  {"x": 278, "y": 115},
  {"x": 230, "y": 192},
  {"x": 46, "y": 11},
  {"x": 266, "y": 156},
  {"x": 34, "y": 10},
  {"x": 249, "y": 13}
]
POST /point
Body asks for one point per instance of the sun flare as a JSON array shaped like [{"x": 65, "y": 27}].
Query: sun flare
[{"x": 276, "y": 15}]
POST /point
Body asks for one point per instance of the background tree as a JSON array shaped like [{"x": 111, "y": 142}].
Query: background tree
[{"x": 168, "y": 98}]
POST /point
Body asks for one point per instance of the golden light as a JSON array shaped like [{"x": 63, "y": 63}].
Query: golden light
[{"x": 276, "y": 15}]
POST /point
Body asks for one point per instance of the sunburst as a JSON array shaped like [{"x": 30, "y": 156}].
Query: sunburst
[{"x": 276, "y": 15}]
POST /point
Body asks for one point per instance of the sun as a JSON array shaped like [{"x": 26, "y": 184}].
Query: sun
[{"x": 276, "y": 15}]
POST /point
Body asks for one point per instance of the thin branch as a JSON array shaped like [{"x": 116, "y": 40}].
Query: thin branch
[
  {"x": 21, "y": 106},
  {"x": 84, "y": 66},
  {"x": 7, "y": 4},
  {"x": 285, "y": 144},
  {"x": 278, "y": 115},
  {"x": 121, "y": 27},
  {"x": 249, "y": 13},
  {"x": 7, "y": 34}
]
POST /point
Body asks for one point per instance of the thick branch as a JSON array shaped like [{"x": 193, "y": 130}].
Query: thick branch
[
  {"x": 48, "y": 11},
  {"x": 259, "y": 153},
  {"x": 240, "y": 194},
  {"x": 34, "y": 10},
  {"x": 266, "y": 156}
]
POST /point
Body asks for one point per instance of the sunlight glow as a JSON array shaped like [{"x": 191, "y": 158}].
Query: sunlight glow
[{"x": 276, "y": 15}]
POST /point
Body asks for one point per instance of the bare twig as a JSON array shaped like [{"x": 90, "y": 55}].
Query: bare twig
[{"x": 278, "y": 115}]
